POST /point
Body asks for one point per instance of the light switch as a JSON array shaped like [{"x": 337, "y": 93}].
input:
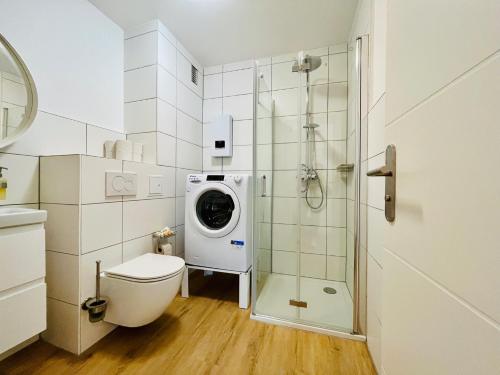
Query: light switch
[
  {"x": 118, "y": 183},
  {"x": 155, "y": 184}
]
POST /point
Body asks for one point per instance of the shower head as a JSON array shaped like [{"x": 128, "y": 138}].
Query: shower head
[{"x": 306, "y": 63}]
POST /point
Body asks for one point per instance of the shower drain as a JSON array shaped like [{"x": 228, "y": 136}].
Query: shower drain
[{"x": 329, "y": 290}]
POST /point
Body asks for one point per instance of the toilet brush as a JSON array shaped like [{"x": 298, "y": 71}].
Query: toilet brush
[{"x": 96, "y": 306}]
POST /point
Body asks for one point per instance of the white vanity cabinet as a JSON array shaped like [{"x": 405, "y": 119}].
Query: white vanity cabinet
[{"x": 23, "y": 309}]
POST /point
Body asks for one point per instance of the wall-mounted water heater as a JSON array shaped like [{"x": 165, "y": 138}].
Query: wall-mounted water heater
[{"x": 220, "y": 136}]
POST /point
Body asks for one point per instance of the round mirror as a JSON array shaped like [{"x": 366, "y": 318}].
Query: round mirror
[{"x": 18, "y": 97}]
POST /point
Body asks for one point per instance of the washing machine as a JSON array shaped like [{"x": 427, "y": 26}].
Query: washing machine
[{"x": 218, "y": 225}]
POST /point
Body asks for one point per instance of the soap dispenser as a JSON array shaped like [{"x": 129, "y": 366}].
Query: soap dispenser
[{"x": 3, "y": 185}]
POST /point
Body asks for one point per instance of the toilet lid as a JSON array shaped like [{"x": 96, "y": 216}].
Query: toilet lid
[{"x": 147, "y": 267}]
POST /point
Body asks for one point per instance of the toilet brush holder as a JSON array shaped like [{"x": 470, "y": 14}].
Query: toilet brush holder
[{"x": 96, "y": 306}]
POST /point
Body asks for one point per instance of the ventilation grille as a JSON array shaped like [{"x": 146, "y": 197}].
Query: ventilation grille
[{"x": 194, "y": 75}]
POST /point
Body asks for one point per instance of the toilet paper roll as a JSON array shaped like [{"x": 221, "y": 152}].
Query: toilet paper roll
[
  {"x": 166, "y": 249},
  {"x": 123, "y": 150},
  {"x": 109, "y": 147}
]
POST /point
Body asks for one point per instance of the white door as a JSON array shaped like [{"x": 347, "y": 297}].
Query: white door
[{"x": 441, "y": 264}]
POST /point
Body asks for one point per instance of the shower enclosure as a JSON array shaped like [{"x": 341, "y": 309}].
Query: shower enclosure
[{"x": 307, "y": 268}]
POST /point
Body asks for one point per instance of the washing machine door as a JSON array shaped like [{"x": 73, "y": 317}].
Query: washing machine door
[{"x": 216, "y": 210}]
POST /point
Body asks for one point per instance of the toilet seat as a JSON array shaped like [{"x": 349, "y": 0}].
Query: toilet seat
[{"x": 147, "y": 268}]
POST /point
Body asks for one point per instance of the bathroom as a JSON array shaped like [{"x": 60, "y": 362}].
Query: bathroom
[{"x": 343, "y": 136}]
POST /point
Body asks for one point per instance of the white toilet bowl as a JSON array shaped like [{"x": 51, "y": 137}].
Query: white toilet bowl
[{"x": 140, "y": 290}]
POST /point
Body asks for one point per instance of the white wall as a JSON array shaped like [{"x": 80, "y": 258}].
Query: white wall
[{"x": 75, "y": 55}]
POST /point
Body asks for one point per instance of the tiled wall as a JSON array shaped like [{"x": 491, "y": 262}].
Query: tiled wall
[
  {"x": 228, "y": 89},
  {"x": 84, "y": 225},
  {"x": 163, "y": 107},
  {"x": 370, "y": 21}
]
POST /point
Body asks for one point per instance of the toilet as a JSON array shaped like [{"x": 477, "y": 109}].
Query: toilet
[{"x": 139, "y": 290}]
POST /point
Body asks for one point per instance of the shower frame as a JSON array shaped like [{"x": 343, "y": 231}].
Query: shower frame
[{"x": 361, "y": 44}]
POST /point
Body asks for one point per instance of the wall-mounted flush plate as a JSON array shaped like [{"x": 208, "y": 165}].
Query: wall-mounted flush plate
[
  {"x": 155, "y": 185},
  {"x": 118, "y": 183}
]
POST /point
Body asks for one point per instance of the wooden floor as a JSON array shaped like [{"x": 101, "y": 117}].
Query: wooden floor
[{"x": 205, "y": 334}]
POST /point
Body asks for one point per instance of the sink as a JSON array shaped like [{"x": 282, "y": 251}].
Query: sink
[{"x": 15, "y": 216}]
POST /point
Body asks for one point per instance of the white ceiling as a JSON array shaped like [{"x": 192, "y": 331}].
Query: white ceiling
[{"x": 222, "y": 31}]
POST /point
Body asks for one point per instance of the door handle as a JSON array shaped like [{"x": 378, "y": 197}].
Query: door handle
[
  {"x": 382, "y": 171},
  {"x": 389, "y": 172}
]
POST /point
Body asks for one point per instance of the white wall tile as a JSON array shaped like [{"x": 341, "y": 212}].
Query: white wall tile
[
  {"x": 285, "y": 210},
  {"x": 337, "y": 48},
  {"x": 60, "y": 179},
  {"x": 241, "y": 160},
  {"x": 338, "y": 67},
  {"x": 189, "y": 102},
  {"x": 189, "y": 129},
  {"x": 376, "y": 129},
  {"x": 240, "y": 107},
  {"x": 313, "y": 239},
  {"x": 22, "y": 178},
  {"x": 96, "y": 137},
  {"x": 285, "y": 129},
  {"x": 337, "y": 125},
  {"x": 212, "y": 86},
  {"x": 312, "y": 265},
  {"x": 140, "y": 116},
  {"x": 62, "y": 277},
  {"x": 285, "y": 237},
  {"x": 313, "y": 217},
  {"x": 166, "y": 118},
  {"x": 211, "y": 163},
  {"x": 101, "y": 225},
  {"x": 336, "y": 153},
  {"x": 92, "y": 332},
  {"x": 238, "y": 82},
  {"x": 285, "y": 183},
  {"x": 337, "y": 97},
  {"x": 167, "y": 54},
  {"x": 166, "y": 150},
  {"x": 140, "y": 84},
  {"x": 285, "y": 102},
  {"x": 140, "y": 51},
  {"x": 285, "y": 156},
  {"x": 211, "y": 109},
  {"x": 238, "y": 65},
  {"x": 189, "y": 156},
  {"x": 62, "y": 325},
  {"x": 62, "y": 228},
  {"x": 336, "y": 241},
  {"x": 212, "y": 69},
  {"x": 335, "y": 268},
  {"x": 336, "y": 184},
  {"x": 242, "y": 132},
  {"x": 336, "y": 212},
  {"x": 156, "y": 214},
  {"x": 283, "y": 77},
  {"x": 184, "y": 74},
  {"x": 167, "y": 86},
  {"x": 137, "y": 247},
  {"x": 284, "y": 262}
]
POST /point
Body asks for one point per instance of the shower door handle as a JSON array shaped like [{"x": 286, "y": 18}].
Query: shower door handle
[
  {"x": 389, "y": 172},
  {"x": 263, "y": 191}
]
